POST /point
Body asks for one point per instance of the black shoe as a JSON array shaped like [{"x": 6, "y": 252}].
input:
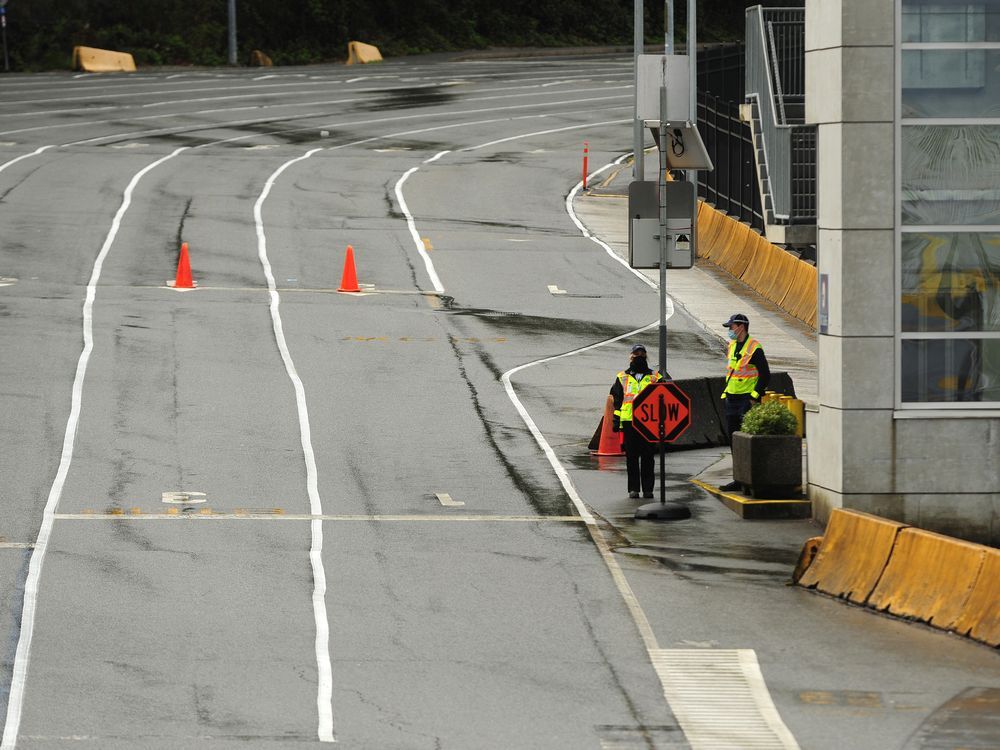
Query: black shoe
[
  {"x": 633, "y": 495},
  {"x": 734, "y": 485},
  {"x": 647, "y": 495}
]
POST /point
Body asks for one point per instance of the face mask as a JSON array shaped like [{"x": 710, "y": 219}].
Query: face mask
[
  {"x": 639, "y": 363},
  {"x": 732, "y": 334}
]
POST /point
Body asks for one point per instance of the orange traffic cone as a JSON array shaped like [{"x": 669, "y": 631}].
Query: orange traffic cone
[
  {"x": 611, "y": 441},
  {"x": 349, "y": 281},
  {"x": 184, "y": 280}
]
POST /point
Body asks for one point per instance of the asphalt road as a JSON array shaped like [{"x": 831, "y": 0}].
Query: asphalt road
[{"x": 396, "y": 547}]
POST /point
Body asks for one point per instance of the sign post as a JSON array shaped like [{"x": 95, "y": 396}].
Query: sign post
[{"x": 660, "y": 414}]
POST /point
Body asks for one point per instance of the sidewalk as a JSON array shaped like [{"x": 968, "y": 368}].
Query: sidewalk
[{"x": 708, "y": 294}]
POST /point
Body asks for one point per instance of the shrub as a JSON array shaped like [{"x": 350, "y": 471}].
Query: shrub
[{"x": 772, "y": 418}]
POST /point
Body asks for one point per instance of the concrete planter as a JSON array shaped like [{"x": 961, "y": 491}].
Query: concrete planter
[{"x": 768, "y": 466}]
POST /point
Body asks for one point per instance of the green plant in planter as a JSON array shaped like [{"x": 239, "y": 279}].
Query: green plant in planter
[{"x": 772, "y": 418}]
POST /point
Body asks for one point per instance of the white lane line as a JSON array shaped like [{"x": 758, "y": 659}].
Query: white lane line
[
  {"x": 545, "y": 132},
  {"x": 15, "y": 701},
  {"x": 412, "y": 226},
  {"x": 324, "y": 693},
  {"x": 36, "y": 152},
  {"x": 720, "y": 699},
  {"x": 586, "y": 232},
  {"x": 445, "y": 499}
]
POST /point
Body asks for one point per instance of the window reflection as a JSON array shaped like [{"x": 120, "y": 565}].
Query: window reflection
[
  {"x": 951, "y": 174},
  {"x": 951, "y": 21},
  {"x": 951, "y": 83},
  {"x": 951, "y": 282},
  {"x": 951, "y": 370}
]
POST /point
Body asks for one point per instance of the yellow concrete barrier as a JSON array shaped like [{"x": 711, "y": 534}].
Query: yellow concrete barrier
[
  {"x": 359, "y": 53},
  {"x": 980, "y": 618},
  {"x": 93, "y": 60},
  {"x": 929, "y": 577},
  {"x": 855, "y": 550}
]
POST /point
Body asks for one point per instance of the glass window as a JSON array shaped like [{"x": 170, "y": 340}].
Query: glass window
[
  {"x": 951, "y": 370},
  {"x": 951, "y": 83},
  {"x": 951, "y": 174},
  {"x": 951, "y": 281},
  {"x": 951, "y": 21}
]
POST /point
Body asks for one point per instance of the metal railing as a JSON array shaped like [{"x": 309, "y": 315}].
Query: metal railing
[
  {"x": 775, "y": 82},
  {"x": 732, "y": 186}
]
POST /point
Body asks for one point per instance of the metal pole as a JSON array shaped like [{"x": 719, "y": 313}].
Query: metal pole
[
  {"x": 3, "y": 28},
  {"x": 232, "y": 32},
  {"x": 668, "y": 13},
  {"x": 692, "y": 50},
  {"x": 662, "y": 185},
  {"x": 638, "y": 164}
]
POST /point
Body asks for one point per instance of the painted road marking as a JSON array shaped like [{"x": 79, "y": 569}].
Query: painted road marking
[
  {"x": 553, "y": 289},
  {"x": 427, "y": 244},
  {"x": 26, "y": 156},
  {"x": 411, "y": 224},
  {"x": 207, "y": 514},
  {"x": 324, "y": 668},
  {"x": 19, "y": 678},
  {"x": 185, "y": 498},
  {"x": 445, "y": 500},
  {"x": 720, "y": 699}
]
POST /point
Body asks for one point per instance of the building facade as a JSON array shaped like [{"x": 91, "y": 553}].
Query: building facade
[{"x": 905, "y": 95}]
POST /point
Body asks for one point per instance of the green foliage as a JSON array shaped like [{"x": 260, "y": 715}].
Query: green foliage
[
  {"x": 772, "y": 418},
  {"x": 42, "y": 33}
]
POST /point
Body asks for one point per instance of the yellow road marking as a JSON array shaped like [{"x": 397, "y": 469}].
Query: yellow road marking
[
  {"x": 743, "y": 500},
  {"x": 427, "y": 244}
]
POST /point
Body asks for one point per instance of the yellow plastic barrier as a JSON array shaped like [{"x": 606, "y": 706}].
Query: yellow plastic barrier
[
  {"x": 854, "y": 552},
  {"x": 93, "y": 60},
  {"x": 259, "y": 60},
  {"x": 359, "y": 53},
  {"x": 929, "y": 577},
  {"x": 980, "y": 619},
  {"x": 768, "y": 269}
]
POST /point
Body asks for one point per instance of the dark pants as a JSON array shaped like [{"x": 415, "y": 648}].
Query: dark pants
[
  {"x": 640, "y": 460},
  {"x": 737, "y": 404}
]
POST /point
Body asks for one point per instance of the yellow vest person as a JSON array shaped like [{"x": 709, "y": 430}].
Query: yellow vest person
[
  {"x": 747, "y": 375},
  {"x": 640, "y": 455}
]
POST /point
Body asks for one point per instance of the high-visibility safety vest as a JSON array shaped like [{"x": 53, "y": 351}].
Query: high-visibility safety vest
[
  {"x": 741, "y": 376},
  {"x": 631, "y": 386}
]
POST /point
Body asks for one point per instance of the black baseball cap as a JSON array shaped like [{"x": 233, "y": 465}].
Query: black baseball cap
[
  {"x": 738, "y": 318},
  {"x": 638, "y": 348}
]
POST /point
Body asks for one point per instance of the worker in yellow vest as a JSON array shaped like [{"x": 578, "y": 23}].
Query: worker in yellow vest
[
  {"x": 747, "y": 376},
  {"x": 640, "y": 455}
]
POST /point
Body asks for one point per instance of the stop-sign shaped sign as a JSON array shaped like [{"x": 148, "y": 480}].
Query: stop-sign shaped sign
[{"x": 664, "y": 401}]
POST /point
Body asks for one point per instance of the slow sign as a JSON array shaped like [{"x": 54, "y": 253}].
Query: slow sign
[{"x": 661, "y": 401}]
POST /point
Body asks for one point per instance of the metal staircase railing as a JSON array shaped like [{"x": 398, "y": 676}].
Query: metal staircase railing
[{"x": 775, "y": 89}]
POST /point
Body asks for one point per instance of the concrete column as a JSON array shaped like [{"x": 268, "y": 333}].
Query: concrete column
[{"x": 937, "y": 473}]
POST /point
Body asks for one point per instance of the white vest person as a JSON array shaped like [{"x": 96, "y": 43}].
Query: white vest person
[
  {"x": 747, "y": 376},
  {"x": 640, "y": 455}
]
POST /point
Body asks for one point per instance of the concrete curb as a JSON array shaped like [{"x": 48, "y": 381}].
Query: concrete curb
[{"x": 894, "y": 568}]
